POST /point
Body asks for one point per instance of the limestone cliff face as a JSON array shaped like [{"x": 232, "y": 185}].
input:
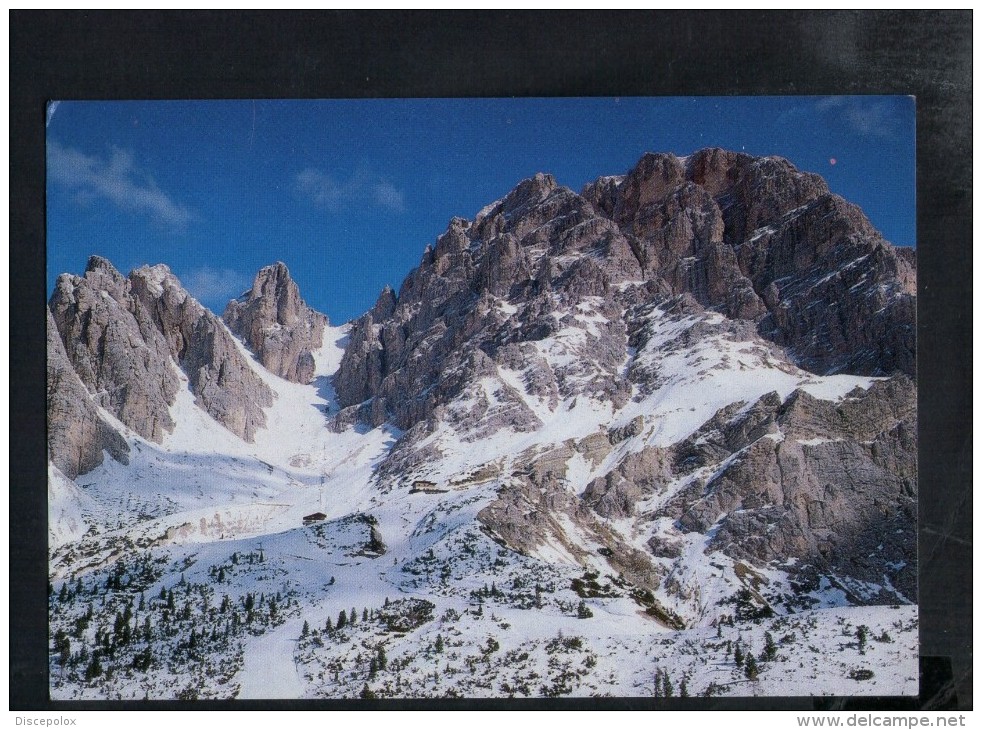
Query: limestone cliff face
[
  {"x": 115, "y": 347},
  {"x": 757, "y": 239},
  {"x": 122, "y": 338},
  {"x": 834, "y": 485},
  {"x": 220, "y": 378},
  {"x": 277, "y": 325},
  {"x": 77, "y": 435},
  {"x": 752, "y": 238}
]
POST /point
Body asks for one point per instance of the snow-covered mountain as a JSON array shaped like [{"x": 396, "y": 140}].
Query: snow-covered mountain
[{"x": 658, "y": 437}]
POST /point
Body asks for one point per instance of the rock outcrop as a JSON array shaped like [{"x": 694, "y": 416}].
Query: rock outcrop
[
  {"x": 124, "y": 336},
  {"x": 78, "y": 436},
  {"x": 757, "y": 239},
  {"x": 834, "y": 485},
  {"x": 219, "y": 377},
  {"x": 277, "y": 325}
]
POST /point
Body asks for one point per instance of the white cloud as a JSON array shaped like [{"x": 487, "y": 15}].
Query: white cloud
[
  {"x": 359, "y": 189},
  {"x": 116, "y": 179},
  {"x": 216, "y": 286},
  {"x": 388, "y": 196}
]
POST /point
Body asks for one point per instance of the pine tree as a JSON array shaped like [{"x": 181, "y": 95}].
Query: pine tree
[
  {"x": 738, "y": 655},
  {"x": 751, "y": 668},
  {"x": 364, "y": 614},
  {"x": 862, "y": 634},
  {"x": 383, "y": 661},
  {"x": 353, "y": 617},
  {"x": 666, "y": 684},
  {"x": 342, "y": 620},
  {"x": 438, "y": 647},
  {"x": 583, "y": 611},
  {"x": 372, "y": 668},
  {"x": 683, "y": 688},
  {"x": 386, "y": 604},
  {"x": 770, "y": 648},
  {"x": 328, "y": 627},
  {"x": 94, "y": 669},
  {"x": 305, "y": 631}
]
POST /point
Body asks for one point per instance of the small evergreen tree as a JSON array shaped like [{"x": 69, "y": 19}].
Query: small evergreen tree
[
  {"x": 683, "y": 688},
  {"x": 364, "y": 614},
  {"x": 353, "y": 616},
  {"x": 583, "y": 611},
  {"x": 372, "y": 668},
  {"x": 305, "y": 631},
  {"x": 438, "y": 647},
  {"x": 383, "y": 661},
  {"x": 862, "y": 634},
  {"x": 94, "y": 669},
  {"x": 328, "y": 627},
  {"x": 738, "y": 655},
  {"x": 770, "y": 648},
  {"x": 367, "y": 694},
  {"x": 750, "y": 668},
  {"x": 342, "y": 620}
]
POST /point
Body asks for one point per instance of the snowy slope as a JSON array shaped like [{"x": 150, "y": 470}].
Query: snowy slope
[{"x": 219, "y": 523}]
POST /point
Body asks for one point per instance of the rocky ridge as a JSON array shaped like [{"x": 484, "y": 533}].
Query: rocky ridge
[
  {"x": 123, "y": 337},
  {"x": 750, "y": 237}
]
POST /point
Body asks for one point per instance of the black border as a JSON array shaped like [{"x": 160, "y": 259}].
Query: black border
[{"x": 205, "y": 54}]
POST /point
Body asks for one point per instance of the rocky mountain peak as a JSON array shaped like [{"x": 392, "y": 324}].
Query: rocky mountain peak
[
  {"x": 752, "y": 238},
  {"x": 277, "y": 325},
  {"x": 125, "y": 339},
  {"x": 528, "y": 192}
]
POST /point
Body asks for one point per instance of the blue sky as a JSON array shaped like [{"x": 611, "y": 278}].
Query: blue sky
[{"x": 349, "y": 193}]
